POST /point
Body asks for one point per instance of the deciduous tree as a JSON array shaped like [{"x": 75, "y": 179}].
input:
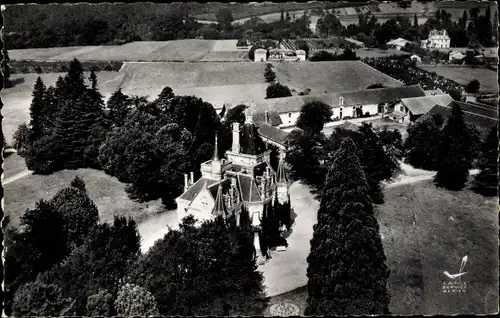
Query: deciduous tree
[
  {"x": 486, "y": 182},
  {"x": 422, "y": 144},
  {"x": 277, "y": 90},
  {"x": 313, "y": 116},
  {"x": 133, "y": 300}
]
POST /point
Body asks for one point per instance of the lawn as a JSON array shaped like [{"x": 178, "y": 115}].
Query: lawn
[
  {"x": 107, "y": 192},
  {"x": 17, "y": 99},
  {"x": 41, "y": 54},
  {"x": 232, "y": 56},
  {"x": 331, "y": 77},
  {"x": 463, "y": 75},
  {"x": 13, "y": 165},
  {"x": 428, "y": 230}
]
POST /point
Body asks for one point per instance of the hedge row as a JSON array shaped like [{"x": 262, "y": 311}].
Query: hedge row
[{"x": 30, "y": 66}]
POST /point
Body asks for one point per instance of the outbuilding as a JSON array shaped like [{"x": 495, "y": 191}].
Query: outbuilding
[
  {"x": 260, "y": 55},
  {"x": 301, "y": 55}
]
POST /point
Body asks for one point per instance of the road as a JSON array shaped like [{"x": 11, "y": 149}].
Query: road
[{"x": 16, "y": 176}]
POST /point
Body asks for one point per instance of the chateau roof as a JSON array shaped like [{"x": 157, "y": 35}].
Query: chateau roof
[
  {"x": 421, "y": 105},
  {"x": 275, "y": 134},
  {"x": 220, "y": 206},
  {"x": 260, "y": 117},
  {"x": 193, "y": 191},
  {"x": 248, "y": 188}
]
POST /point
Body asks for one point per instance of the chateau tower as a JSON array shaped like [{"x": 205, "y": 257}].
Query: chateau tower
[{"x": 216, "y": 163}]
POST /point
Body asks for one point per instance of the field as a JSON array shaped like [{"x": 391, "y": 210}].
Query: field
[
  {"x": 17, "y": 99},
  {"x": 178, "y": 50},
  {"x": 426, "y": 231},
  {"x": 232, "y": 94},
  {"x": 107, "y": 192},
  {"x": 330, "y": 77},
  {"x": 463, "y": 75}
]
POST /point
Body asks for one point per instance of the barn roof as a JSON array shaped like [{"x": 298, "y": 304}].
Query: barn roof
[
  {"x": 421, "y": 105},
  {"x": 260, "y": 117},
  {"x": 363, "y": 97}
]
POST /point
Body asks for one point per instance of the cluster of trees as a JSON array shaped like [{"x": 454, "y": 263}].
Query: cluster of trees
[
  {"x": 269, "y": 74},
  {"x": 450, "y": 147},
  {"x": 346, "y": 55},
  {"x": 64, "y": 262},
  {"x": 347, "y": 271},
  {"x": 310, "y": 152},
  {"x": 277, "y": 90}
]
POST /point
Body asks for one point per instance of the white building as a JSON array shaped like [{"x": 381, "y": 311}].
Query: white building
[
  {"x": 410, "y": 109},
  {"x": 301, "y": 55},
  {"x": 344, "y": 105},
  {"x": 456, "y": 55},
  {"x": 398, "y": 43},
  {"x": 260, "y": 55},
  {"x": 415, "y": 57},
  {"x": 438, "y": 39},
  {"x": 244, "y": 178}
]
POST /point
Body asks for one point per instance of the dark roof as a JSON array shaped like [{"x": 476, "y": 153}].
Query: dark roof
[
  {"x": 421, "y": 105},
  {"x": 479, "y": 120},
  {"x": 363, "y": 97},
  {"x": 226, "y": 184},
  {"x": 275, "y": 134},
  {"x": 248, "y": 188},
  {"x": 260, "y": 117},
  {"x": 250, "y": 141},
  {"x": 476, "y": 108},
  {"x": 193, "y": 191}
]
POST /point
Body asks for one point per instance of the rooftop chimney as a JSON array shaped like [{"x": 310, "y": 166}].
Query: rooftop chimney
[
  {"x": 186, "y": 184},
  {"x": 236, "y": 138},
  {"x": 267, "y": 117},
  {"x": 192, "y": 177}
]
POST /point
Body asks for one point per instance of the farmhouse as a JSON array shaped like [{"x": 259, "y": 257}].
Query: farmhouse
[
  {"x": 260, "y": 55},
  {"x": 482, "y": 117},
  {"x": 245, "y": 178},
  {"x": 398, "y": 43},
  {"x": 438, "y": 39},
  {"x": 344, "y": 105},
  {"x": 409, "y": 109}
]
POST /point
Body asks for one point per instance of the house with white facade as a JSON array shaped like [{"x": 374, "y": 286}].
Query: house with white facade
[
  {"x": 408, "y": 110},
  {"x": 243, "y": 178},
  {"x": 398, "y": 43},
  {"x": 416, "y": 58},
  {"x": 438, "y": 39},
  {"x": 345, "y": 105},
  {"x": 260, "y": 55},
  {"x": 456, "y": 56}
]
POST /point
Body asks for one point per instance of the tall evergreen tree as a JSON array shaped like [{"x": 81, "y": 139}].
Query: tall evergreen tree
[
  {"x": 486, "y": 182},
  {"x": 421, "y": 145},
  {"x": 37, "y": 109},
  {"x": 119, "y": 106},
  {"x": 74, "y": 81},
  {"x": 415, "y": 21},
  {"x": 347, "y": 271},
  {"x": 454, "y": 155}
]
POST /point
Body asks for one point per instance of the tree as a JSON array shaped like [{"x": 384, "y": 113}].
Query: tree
[
  {"x": 277, "y": 90},
  {"x": 282, "y": 15},
  {"x": 167, "y": 27},
  {"x": 486, "y": 182},
  {"x": 120, "y": 106},
  {"x": 224, "y": 17},
  {"x": 207, "y": 268},
  {"x": 269, "y": 74},
  {"x": 313, "y": 116},
  {"x": 78, "y": 183},
  {"x": 415, "y": 21},
  {"x": 37, "y": 110},
  {"x": 454, "y": 156},
  {"x": 376, "y": 85},
  {"x": 101, "y": 263},
  {"x": 39, "y": 299},
  {"x": 421, "y": 146},
  {"x": 21, "y": 139},
  {"x": 346, "y": 237},
  {"x": 100, "y": 304},
  {"x": 473, "y": 87},
  {"x": 133, "y": 300},
  {"x": 74, "y": 83},
  {"x": 392, "y": 140}
]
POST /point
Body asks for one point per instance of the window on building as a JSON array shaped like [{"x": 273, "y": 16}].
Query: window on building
[
  {"x": 401, "y": 108},
  {"x": 289, "y": 114}
]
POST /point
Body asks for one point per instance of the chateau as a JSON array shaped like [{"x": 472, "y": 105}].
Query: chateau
[
  {"x": 244, "y": 178},
  {"x": 437, "y": 40}
]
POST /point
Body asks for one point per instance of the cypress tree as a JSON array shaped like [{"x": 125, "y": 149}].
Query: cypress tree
[
  {"x": 37, "y": 109},
  {"x": 74, "y": 82},
  {"x": 486, "y": 182},
  {"x": 347, "y": 271},
  {"x": 454, "y": 155}
]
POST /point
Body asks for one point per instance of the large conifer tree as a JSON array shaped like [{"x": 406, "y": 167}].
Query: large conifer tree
[
  {"x": 347, "y": 271},
  {"x": 37, "y": 109},
  {"x": 454, "y": 155},
  {"x": 486, "y": 182}
]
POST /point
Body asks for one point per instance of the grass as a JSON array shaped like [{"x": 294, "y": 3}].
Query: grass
[
  {"x": 218, "y": 95},
  {"x": 13, "y": 165},
  {"x": 107, "y": 193},
  {"x": 17, "y": 99},
  {"x": 463, "y": 75},
  {"x": 231, "y": 56},
  {"x": 330, "y": 77},
  {"x": 227, "y": 45},
  {"x": 41, "y": 54},
  {"x": 417, "y": 254}
]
